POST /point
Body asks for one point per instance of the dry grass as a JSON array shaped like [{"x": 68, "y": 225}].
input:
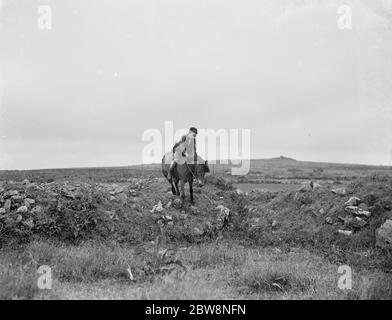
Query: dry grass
[
  {"x": 213, "y": 271},
  {"x": 17, "y": 278}
]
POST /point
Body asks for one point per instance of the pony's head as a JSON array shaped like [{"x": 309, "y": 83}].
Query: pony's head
[{"x": 201, "y": 170}]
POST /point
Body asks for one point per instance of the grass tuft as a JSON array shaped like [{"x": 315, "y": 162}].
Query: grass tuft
[
  {"x": 17, "y": 280},
  {"x": 257, "y": 281}
]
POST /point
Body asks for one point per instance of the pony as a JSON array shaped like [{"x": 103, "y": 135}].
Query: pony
[{"x": 185, "y": 173}]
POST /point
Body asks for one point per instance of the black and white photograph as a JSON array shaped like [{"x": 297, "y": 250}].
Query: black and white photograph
[{"x": 220, "y": 152}]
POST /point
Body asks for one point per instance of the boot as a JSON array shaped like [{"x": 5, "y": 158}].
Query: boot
[{"x": 171, "y": 170}]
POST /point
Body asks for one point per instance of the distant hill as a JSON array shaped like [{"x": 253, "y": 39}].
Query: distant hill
[{"x": 283, "y": 158}]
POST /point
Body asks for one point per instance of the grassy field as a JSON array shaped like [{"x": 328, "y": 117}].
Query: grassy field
[
  {"x": 263, "y": 170},
  {"x": 217, "y": 270},
  {"x": 274, "y": 245}
]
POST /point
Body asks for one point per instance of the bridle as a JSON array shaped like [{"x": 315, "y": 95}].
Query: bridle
[{"x": 191, "y": 171}]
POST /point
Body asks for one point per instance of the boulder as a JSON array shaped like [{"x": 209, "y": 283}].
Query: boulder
[
  {"x": 17, "y": 199},
  {"x": 329, "y": 220},
  {"x": 345, "y": 232},
  {"x": 316, "y": 186},
  {"x": 177, "y": 203},
  {"x": 117, "y": 190},
  {"x": 27, "y": 204},
  {"x": 22, "y": 209},
  {"x": 197, "y": 231},
  {"x": 36, "y": 210},
  {"x": 353, "y": 201},
  {"x": 157, "y": 208},
  {"x": 223, "y": 210},
  {"x": 384, "y": 235},
  {"x": 340, "y": 191},
  {"x": 30, "y": 201},
  {"x": 165, "y": 219},
  {"x": 223, "y": 216},
  {"x": 358, "y": 223},
  {"x": 11, "y": 193},
  {"x": 346, "y": 220},
  {"x": 364, "y": 213},
  {"x": 357, "y": 211},
  {"x": 7, "y": 205}
]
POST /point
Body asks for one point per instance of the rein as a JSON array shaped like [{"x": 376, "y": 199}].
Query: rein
[{"x": 191, "y": 171}]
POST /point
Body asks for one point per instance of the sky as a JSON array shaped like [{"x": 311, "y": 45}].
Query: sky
[{"x": 83, "y": 92}]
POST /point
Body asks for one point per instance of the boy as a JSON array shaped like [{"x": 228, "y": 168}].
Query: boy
[{"x": 185, "y": 147}]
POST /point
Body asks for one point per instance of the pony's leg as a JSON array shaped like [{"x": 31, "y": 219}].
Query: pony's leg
[
  {"x": 182, "y": 190},
  {"x": 174, "y": 191},
  {"x": 191, "y": 191},
  {"x": 177, "y": 189}
]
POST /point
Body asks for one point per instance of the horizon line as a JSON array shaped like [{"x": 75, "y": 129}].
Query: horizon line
[{"x": 216, "y": 160}]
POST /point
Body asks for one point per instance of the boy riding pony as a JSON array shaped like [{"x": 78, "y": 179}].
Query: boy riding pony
[{"x": 186, "y": 147}]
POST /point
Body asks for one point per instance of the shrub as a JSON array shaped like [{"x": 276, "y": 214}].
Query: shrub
[
  {"x": 220, "y": 182},
  {"x": 76, "y": 218}
]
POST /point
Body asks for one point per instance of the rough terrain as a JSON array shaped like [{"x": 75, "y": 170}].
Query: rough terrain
[{"x": 134, "y": 239}]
